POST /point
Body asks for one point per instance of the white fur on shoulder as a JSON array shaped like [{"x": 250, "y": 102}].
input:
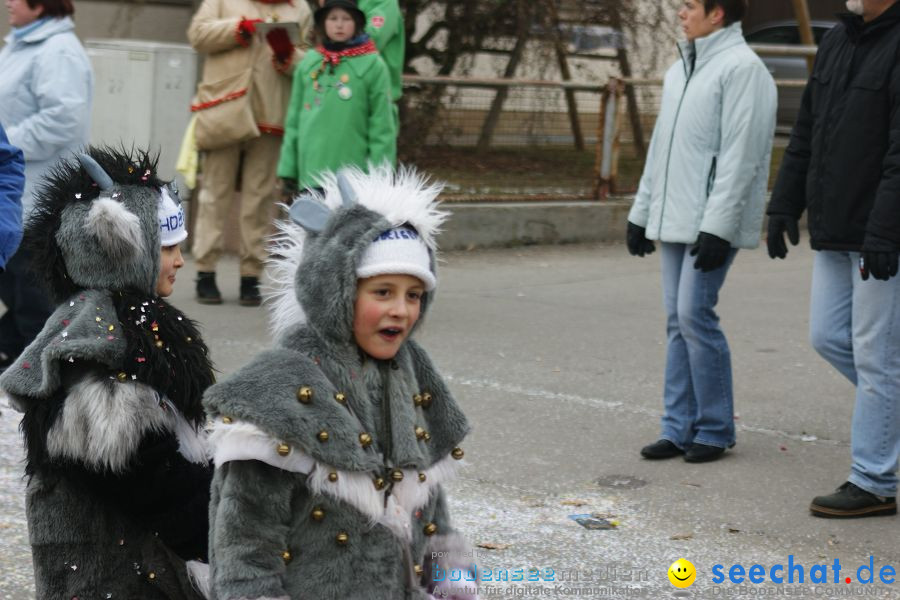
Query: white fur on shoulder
[
  {"x": 116, "y": 228},
  {"x": 198, "y": 574},
  {"x": 245, "y": 441},
  {"x": 103, "y": 421}
]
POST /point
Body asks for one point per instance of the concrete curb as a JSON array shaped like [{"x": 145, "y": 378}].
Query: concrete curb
[{"x": 490, "y": 225}]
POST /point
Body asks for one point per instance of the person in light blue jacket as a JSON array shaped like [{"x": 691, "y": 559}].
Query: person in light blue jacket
[
  {"x": 702, "y": 195},
  {"x": 12, "y": 181},
  {"x": 46, "y": 88}
]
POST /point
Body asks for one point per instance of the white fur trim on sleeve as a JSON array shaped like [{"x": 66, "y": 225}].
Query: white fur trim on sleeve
[
  {"x": 192, "y": 444},
  {"x": 198, "y": 574},
  {"x": 103, "y": 421},
  {"x": 245, "y": 441}
]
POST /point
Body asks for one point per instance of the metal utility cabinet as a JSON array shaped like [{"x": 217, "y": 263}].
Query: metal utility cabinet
[{"x": 142, "y": 96}]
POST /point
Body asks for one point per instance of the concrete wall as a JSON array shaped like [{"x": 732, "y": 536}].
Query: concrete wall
[{"x": 128, "y": 20}]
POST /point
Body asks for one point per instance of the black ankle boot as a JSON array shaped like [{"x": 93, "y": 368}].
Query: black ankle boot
[
  {"x": 207, "y": 291},
  {"x": 250, "y": 291}
]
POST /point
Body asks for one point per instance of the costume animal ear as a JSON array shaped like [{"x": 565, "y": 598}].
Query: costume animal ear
[
  {"x": 312, "y": 215},
  {"x": 117, "y": 229},
  {"x": 93, "y": 168},
  {"x": 348, "y": 196},
  {"x": 309, "y": 213}
]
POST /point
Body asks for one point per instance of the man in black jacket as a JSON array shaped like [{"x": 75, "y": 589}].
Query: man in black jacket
[{"x": 843, "y": 165}]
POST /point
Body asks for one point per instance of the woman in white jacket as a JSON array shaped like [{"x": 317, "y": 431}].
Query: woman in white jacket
[
  {"x": 45, "y": 106},
  {"x": 702, "y": 196}
]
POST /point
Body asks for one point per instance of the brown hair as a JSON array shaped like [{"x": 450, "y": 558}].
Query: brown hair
[
  {"x": 53, "y": 8},
  {"x": 734, "y": 9}
]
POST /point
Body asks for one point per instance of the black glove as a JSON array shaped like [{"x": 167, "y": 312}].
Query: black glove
[
  {"x": 878, "y": 257},
  {"x": 637, "y": 242},
  {"x": 778, "y": 224},
  {"x": 711, "y": 252}
]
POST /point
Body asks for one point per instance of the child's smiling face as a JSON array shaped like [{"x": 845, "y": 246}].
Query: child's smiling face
[
  {"x": 386, "y": 309},
  {"x": 339, "y": 25}
]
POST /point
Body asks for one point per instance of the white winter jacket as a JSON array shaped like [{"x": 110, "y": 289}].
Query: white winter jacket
[
  {"x": 708, "y": 163},
  {"x": 46, "y": 89}
]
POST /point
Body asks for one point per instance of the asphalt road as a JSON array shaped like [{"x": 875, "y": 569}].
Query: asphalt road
[{"x": 556, "y": 354}]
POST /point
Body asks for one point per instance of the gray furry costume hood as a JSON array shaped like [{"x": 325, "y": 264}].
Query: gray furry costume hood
[
  {"x": 329, "y": 463},
  {"x": 110, "y": 390}
]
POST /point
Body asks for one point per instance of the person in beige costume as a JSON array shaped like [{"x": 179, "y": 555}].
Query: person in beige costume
[{"x": 225, "y": 30}]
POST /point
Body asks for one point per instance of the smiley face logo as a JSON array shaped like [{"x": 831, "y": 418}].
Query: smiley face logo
[{"x": 682, "y": 573}]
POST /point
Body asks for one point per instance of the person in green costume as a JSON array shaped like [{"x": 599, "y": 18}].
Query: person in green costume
[
  {"x": 384, "y": 24},
  {"x": 341, "y": 110}
]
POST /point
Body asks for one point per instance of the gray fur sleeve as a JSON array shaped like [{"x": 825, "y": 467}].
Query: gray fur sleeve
[
  {"x": 250, "y": 514},
  {"x": 85, "y": 328}
]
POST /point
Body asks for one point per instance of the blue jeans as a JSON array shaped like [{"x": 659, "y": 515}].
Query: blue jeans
[
  {"x": 698, "y": 400},
  {"x": 855, "y": 326}
]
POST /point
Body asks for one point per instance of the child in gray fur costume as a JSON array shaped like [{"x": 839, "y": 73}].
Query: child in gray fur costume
[
  {"x": 331, "y": 448},
  {"x": 118, "y": 477}
]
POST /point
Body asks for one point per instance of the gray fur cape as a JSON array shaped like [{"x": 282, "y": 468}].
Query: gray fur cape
[
  {"x": 329, "y": 463},
  {"x": 117, "y": 473}
]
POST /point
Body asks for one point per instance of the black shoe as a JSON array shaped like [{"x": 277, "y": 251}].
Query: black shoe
[
  {"x": 700, "y": 453},
  {"x": 661, "y": 449},
  {"x": 207, "y": 291},
  {"x": 852, "y": 501},
  {"x": 250, "y": 291}
]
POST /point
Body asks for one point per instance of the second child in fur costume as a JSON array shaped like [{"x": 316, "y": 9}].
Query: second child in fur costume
[
  {"x": 341, "y": 112},
  {"x": 118, "y": 479},
  {"x": 331, "y": 449}
]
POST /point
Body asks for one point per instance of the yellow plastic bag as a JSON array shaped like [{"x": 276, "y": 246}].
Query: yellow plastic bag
[{"x": 188, "y": 156}]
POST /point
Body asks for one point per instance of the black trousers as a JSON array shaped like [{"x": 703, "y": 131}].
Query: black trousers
[{"x": 27, "y": 305}]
